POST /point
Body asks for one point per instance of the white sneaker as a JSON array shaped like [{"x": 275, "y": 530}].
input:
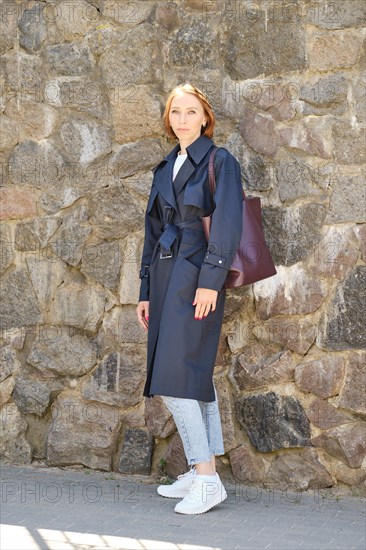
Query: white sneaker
[
  {"x": 180, "y": 487},
  {"x": 202, "y": 496}
]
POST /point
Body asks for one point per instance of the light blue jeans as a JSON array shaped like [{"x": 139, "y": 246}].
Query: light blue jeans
[{"x": 199, "y": 426}]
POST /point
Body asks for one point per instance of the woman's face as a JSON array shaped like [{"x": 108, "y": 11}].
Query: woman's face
[{"x": 186, "y": 117}]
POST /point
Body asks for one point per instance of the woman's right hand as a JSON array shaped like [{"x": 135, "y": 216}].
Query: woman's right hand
[{"x": 142, "y": 311}]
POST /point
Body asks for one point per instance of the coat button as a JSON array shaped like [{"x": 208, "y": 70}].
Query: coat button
[{"x": 220, "y": 261}]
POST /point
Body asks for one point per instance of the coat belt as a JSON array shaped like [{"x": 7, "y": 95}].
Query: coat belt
[{"x": 170, "y": 233}]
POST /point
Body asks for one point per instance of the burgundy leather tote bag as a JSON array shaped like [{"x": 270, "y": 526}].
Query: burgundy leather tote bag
[{"x": 252, "y": 261}]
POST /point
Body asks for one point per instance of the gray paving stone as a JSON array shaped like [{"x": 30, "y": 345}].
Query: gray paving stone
[{"x": 129, "y": 507}]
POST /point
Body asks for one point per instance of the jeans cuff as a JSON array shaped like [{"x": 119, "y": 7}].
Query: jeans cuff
[
  {"x": 193, "y": 461},
  {"x": 218, "y": 452}
]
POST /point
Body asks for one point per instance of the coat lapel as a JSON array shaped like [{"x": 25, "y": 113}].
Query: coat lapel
[
  {"x": 164, "y": 177},
  {"x": 185, "y": 171}
]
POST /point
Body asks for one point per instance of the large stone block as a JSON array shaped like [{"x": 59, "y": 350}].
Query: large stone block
[
  {"x": 14, "y": 448},
  {"x": 335, "y": 255},
  {"x": 300, "y": 471},
  {"x": 323, "y": 94},
  {"x": 6, "y": 389},
  {"x": 130, "y": 158},
  {"x": 258, "y": 132},
  {"x": 174, "y": 457},
  {"x": 359, "y": 95},
  {"x": 291, "y": 291},
  {"x": 136, "y": 454},
  {"x": 273, "y": 421},
  {"x": 351, "y": 476},
  {"x": 14, "y": 337},
  {"x": 79, "y": 305},
  {"x": 38, "y": 163},
  {"x": 159, "y": 420},
  {"x": 257, "y": 172},
  {"x": 261, "y": 41},
  {"x": 308, "y": 136},
  {"x": 247, "y": 466},
  {"x": 275, "y": 96},
  {"x": 353, "y": 394},
  {"x": 323, "y": 376},
  {"x": 86, "y": 141},
  {"x": 226, "y": 412},
  {"x": 349, "y": 143},
  {"x": 126, "y": 14},
  {"x": 35, "y": 234},
  {"x": 324, "y": 415},
  {"x": 19, "y": 304},
  {"x": 360, "y": 232},
  {"x": 68, "y": 59},
  {"x": 166, "y": 15},
  {"x": 46, "y": 276},
  {"x": 81, "y": 433},
  {"x": 347, "y": 442},
  {"x": 7, "y": 250},
  {"x": 33, "y": 28},
  {"x": 17, "y": 203},
  {"x": 10, "y": 133},
  {"x": 136, "y": 114},
  {"x": 8, "y": 29},
  {"x": 34, "y": 396},
  {"x": 86, "y": 95},
  {"x": 295, "y": 179},
  {"x": 347, "y": 200},
  {"x": 191, "y": 46},
  {"x": 336, "y": 50},
  {"x": 295, "y": 333},
  {"x": 54, "y": 200},
  {"x": 29, "y": 66},
  {"x": 75, "y": 19},
  {"x": 342, "y": 325},
  {"x": 126, "y": 63},
  {"x": 115, "y": 213},
  {"x": 117, "y": 380},
  {"x": 9, "y": 362},
  {"x": 95, "y": 258},
  {"x": 120, "y": 326},
  {"x": 337, "y": 14},
  {"x": 129, "y": 288},
  {"x": 63, "y": 351},
  {"x": 292, "y": 233},
  {"x": 264, "y": 371}
]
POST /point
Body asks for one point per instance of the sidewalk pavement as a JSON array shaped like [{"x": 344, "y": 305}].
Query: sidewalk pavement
[{"x": 63, "y": 509}]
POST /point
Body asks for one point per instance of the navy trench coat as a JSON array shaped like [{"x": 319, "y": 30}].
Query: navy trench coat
[{"x": 176, "y": 260}]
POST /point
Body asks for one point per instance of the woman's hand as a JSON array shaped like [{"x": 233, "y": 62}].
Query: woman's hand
[
  {"x": 205, "y": 301},
  {"x": 142, "y": 311}
]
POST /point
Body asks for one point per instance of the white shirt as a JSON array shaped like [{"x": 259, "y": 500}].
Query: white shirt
[{"x": 178, "y": 163}]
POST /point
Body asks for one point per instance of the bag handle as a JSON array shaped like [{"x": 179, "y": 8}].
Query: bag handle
[{"x": 211, "y": 172}]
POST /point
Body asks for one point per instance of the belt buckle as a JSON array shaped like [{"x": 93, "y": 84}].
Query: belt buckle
[{"x": 165, "y": 254}]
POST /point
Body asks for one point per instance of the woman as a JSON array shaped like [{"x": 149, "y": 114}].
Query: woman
[{"x": 182, "y": 293}]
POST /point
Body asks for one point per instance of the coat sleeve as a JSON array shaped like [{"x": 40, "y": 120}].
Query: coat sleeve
[
  {"x": 153, "y": 226},
  {"x": 226, "y": 224}
]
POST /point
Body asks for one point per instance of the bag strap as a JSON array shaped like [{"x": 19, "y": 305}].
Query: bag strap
[{"x": 211, "y": 172}]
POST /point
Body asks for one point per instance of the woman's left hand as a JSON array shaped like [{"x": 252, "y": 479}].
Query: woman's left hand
[{"x": 205, "y": 301}]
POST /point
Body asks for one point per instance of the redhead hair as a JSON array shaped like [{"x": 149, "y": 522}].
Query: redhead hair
[{"x": 190, "y": 89}]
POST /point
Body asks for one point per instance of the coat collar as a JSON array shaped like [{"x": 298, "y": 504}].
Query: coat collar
[
  {"x": 164, "y": 183},
  {"x": 196, "y": 150}
]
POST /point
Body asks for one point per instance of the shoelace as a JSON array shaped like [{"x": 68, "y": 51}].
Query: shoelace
[{"x": 190, "y": 472}]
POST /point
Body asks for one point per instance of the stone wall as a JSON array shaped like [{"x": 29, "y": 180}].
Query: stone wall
[{"x": 83, "y": 86}]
